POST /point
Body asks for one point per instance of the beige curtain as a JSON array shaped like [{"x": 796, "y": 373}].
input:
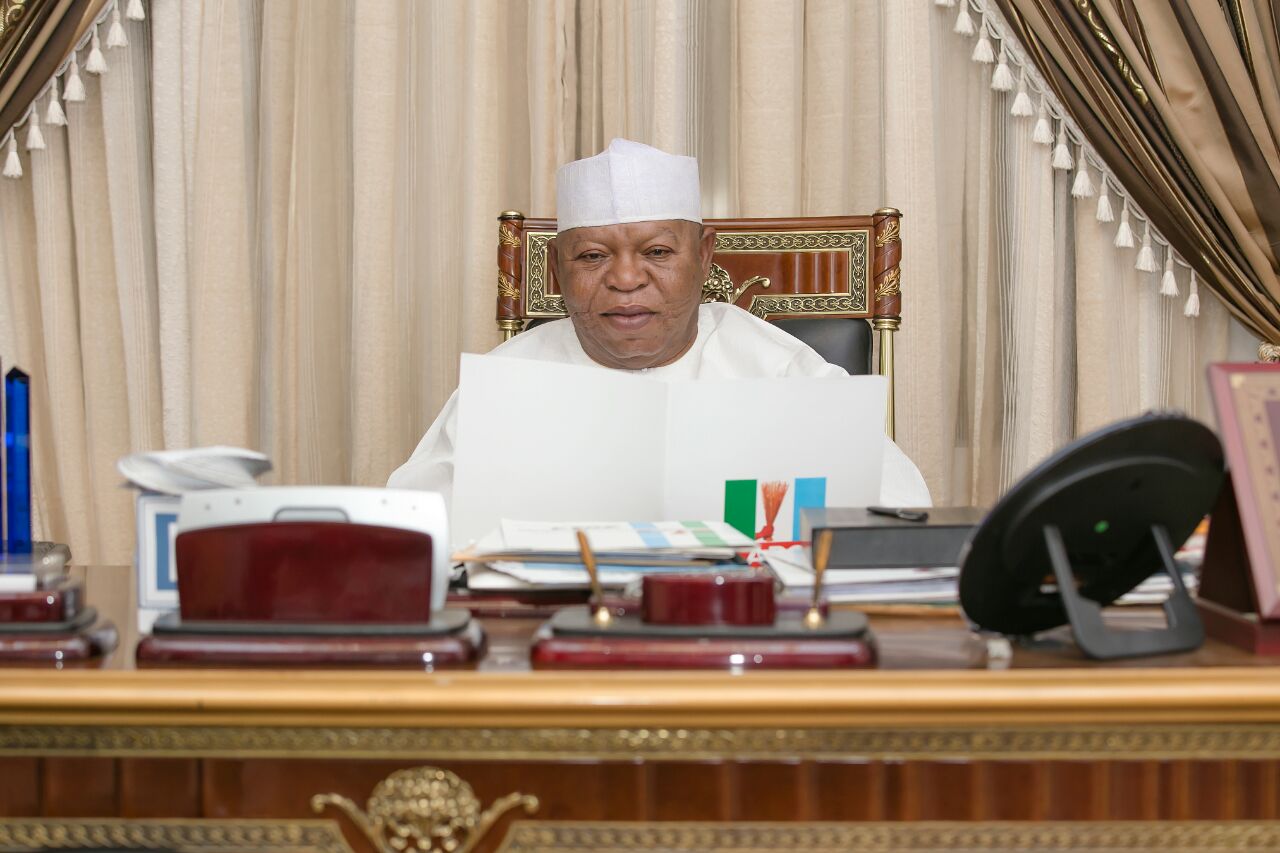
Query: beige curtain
[{"x": 274, "y": 226}]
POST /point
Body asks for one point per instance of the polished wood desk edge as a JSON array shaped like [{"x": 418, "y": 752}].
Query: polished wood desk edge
[{"x": 469, "y": 699}]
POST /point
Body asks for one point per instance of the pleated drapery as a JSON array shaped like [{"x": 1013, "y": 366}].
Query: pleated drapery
[
  {"x": 1182, "y": 99},
  {"x": 274, "y": 227}
]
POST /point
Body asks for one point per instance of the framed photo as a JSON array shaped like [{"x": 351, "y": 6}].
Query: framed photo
[
  {"x": 1247, "y": 399},
  {"x": 157, "y": 517}
]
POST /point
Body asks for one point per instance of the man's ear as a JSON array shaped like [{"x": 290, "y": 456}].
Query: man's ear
[{"x": 707, "y": 248}]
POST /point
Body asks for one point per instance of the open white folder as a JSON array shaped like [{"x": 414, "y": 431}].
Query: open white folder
[{"x": 549, "y": 442}]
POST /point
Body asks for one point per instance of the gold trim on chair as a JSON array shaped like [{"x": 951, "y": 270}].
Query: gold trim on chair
[{"x": 854, "y": 242}]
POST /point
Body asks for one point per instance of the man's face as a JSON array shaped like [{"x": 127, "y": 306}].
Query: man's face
[{"x": 633, "y": 290}]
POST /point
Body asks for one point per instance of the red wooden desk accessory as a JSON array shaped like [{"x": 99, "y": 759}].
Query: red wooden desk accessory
[
  {"x": 1239, "y": 597},
  {"x": 310, "y": 593},
  {"x": 50, "y": 623},
  {"x": 727, "y": 620}
]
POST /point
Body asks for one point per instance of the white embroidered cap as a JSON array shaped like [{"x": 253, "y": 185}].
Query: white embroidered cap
[{"x": 627, "y": 182}]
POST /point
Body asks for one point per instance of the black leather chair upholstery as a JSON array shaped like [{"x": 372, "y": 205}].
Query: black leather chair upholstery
[{"x": 839, "y": 340}]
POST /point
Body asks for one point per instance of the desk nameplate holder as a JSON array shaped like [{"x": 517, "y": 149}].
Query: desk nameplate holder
[{"x": 1239, "y": 597}]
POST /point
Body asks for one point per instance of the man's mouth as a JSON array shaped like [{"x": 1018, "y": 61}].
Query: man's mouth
[{"x": 628, "y": 317}]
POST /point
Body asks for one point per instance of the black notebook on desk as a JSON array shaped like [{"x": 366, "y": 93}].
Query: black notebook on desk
[{"x": 863, "y": 539}]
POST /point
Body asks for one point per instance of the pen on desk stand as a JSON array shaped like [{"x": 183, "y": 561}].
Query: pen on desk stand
[
  {"x": 600, "y": 615},
  {"x": 821, "y": 554}
]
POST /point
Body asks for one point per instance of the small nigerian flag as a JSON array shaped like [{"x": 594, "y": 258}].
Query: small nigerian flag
[{"x": 770, "y": 510}]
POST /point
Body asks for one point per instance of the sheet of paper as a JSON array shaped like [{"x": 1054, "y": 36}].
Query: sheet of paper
[
  {"x": 547, "y": 442},
  {"x": 811, "y": 442},
  {"x": 613, "y": 536}
]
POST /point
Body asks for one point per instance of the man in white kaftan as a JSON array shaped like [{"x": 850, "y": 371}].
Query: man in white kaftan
[{"x": 630, "y": 257}]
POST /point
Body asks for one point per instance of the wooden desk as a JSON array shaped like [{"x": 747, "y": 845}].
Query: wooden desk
[{"x": 231, "y": 759}]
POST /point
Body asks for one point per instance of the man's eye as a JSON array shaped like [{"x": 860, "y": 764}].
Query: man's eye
[
  {"x": 659, "y": 252},
  {"x": 591, "y": 256}
]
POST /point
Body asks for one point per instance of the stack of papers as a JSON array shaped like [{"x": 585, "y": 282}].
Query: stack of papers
[
  {"x": 793, "y": 569},
  {"x": 174, "y": 472},
  {"x": 544, "y": 555}
]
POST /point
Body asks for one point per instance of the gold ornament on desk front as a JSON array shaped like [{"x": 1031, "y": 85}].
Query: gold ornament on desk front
[{"x": 424, "y": 810}]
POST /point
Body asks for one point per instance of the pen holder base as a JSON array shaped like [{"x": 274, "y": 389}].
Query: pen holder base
[
  {"x": 451, "y": 639},
  {"x": 571, "y": 640},
  {"x": 78, "y": 640}
]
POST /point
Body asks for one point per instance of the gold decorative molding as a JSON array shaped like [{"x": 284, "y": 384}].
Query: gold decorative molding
[
  {"x": 897, "y": 837},
  {"x": 890, "y": 284},
  {"x": 507, "y": 236},
  {"x": 719, "y": 286},
  {"x": 510, "y": 328},
  {"x": 207, "y": 836},
  {"x": 539, "y": 303},
  {"x": 670, "y": 744},
  {"x": 507, "y": 286},
  {"x": 890, "y": 234},
  {"x": 11, "y": 16},
  {"x": 768, "y": 306},
  {"x": 854, "y": 242},
  {"x": 424, "y": 810},
  {"x": 1118, "y": 59}
]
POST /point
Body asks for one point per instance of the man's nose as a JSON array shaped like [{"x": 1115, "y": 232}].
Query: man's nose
[{"x": 627, "y": 273}]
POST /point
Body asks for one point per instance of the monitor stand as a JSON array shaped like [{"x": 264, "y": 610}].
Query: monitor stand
[{"x": 1184, "y": 632}]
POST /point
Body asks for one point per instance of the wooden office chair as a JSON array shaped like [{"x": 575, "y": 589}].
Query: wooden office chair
[{"x": 828, "y": 280}]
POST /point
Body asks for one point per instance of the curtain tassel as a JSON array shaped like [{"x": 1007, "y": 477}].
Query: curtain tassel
[
  {"x": 1192, "y": 308},
  {"x": 1022, "y": 102},
  {"x": 1061, "y": 153},
  {"x": 1043, "y": 134},
  {"x": 12, "y": 165},
  {"x": 1105, "y": 213},
  {"x": 74, "y": 92},
  {"x": 35, "y": 139},
  {"x": 55, "y": 115},
  {"x": 1124, "y": 234},
  {"x": 115, "y": 35},
  {"x": 964, "y": 24},
  {"x": 135, "y": 11},
  {"x": 1168, "y": 282},
  {"x": 97, "y": 63},
  {"x": 1146, "y": 257},
  {"x": 1083, "y": 186},
  {"x": 1002, "y": 77},
  {"x": 982, "y": 51}
]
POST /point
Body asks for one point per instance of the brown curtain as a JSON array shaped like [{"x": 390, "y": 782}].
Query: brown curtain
[
  {"x": 1181, "y": 98},
  {"x": 32, "y": 46}
]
